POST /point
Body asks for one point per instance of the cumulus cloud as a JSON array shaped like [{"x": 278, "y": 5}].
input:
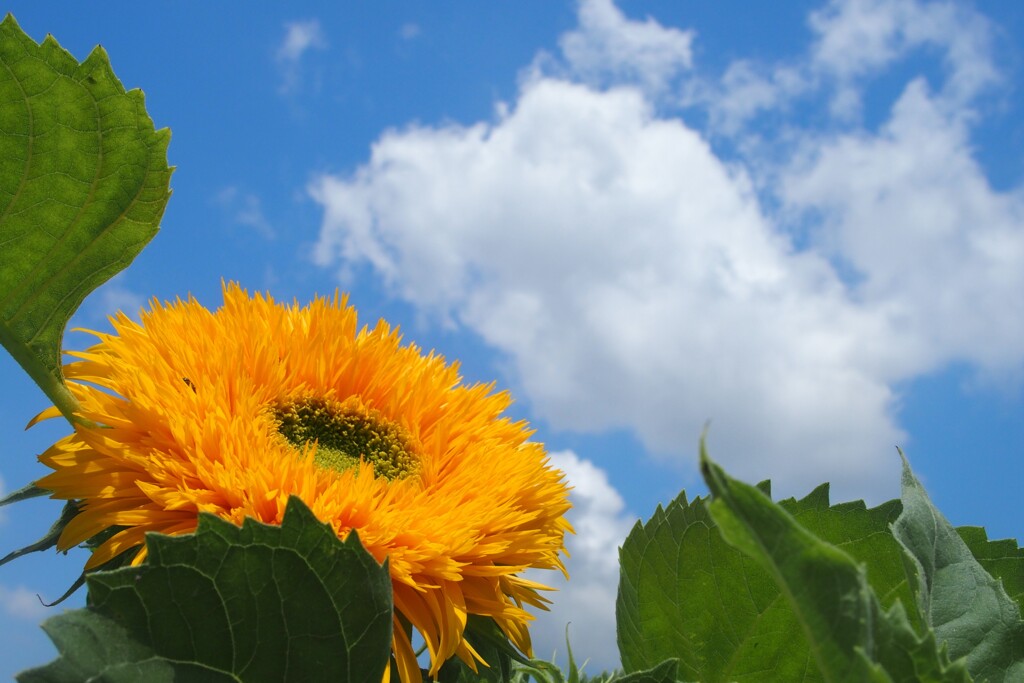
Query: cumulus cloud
[
  {"x": 636, "y": 279},
  {"x": 932, "y": 245},
  {"x": 587, "y": 601},
  {"x": 299, "y": 38},
  {"x": 630, "y": 275}
]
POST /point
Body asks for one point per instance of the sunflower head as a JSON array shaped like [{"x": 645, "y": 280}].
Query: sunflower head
[{"x": 232, "y": 411}]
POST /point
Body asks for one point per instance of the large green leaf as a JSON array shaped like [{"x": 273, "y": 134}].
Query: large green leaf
[
  {"x": 1003, "y": 559},
  {"x": 969, "y": 610},
  {"x": 83, "y": 185},
  {"x": 252, "y": 603},
  {"x": 851, "y": 638},
  {"x": 864, "y": 534},
  {"x": 685, "y": 592}
]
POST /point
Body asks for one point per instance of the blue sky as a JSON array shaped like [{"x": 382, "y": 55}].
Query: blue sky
[{"x": 803, "y": 222}]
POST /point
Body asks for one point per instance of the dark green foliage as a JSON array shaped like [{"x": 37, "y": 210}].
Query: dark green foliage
[
  {"x": 698, "y": 598},
  {"x": 253, "y": 603}
]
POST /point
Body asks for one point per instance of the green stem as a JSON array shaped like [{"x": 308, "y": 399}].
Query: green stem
[
  {"x": 66, "y": 403},
  {"x": 51, "y": 384}
]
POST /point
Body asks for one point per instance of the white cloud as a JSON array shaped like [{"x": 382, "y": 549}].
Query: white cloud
[
  {"x": 636, "y": 280},
  {"x": 859, "y": 38},
  {"x": 856, "y": 38},
  {"x": 935, "y": 249},
  {"x": 745, "y": 90},
  {"x": 608, "y": 47},
  {"x": 587, "y": 600},
  {"x": 854, "y": 42},
  {"x": 22, "y": 603},
  {"x": 631, "y": 277},
  {"x": 300, "y": 37}
]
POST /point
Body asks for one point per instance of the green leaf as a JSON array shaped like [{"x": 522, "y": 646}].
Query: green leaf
[
  {"x": 969, "y": 610},
  {"x": 456, "y": 671},
  {"x": 1003, "y": 559},
  {"x": 93, "y": 645},
  {"x": 24, "y": 493},
  {"x": 549, "y": 672},
  {"x": 850, "y": 636},
  {"x": 83, "y": 184},
  {"x": 685, "y": 592},
  {"x": 536, "y": 670},
  {"x": 864, "y": 534},
  {"x": 487, "y": 638},
  {"x": 663, "y": 673},
  {"x": 49, "y": 540},
  {"x": 253, "y": 603}
]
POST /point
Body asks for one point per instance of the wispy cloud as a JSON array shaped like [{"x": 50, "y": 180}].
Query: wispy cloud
[
  {"x": 409, "y": 30},
  {"x": 853, "y": 42},
  {"x": 245, "y": 209},
  {"x": 21, "y": 603},
  {"x": 111, "y": 297},
  {"x": 856, "y": 39},
  {"x": 300, "y": 37},
  {"x": 607, "y": 48}
]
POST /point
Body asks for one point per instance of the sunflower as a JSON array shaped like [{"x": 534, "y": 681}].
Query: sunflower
[{"x": 230, "y": 412}]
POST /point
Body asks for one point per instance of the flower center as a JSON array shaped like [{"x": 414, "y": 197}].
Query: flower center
[{"x": 345, "y": 433}]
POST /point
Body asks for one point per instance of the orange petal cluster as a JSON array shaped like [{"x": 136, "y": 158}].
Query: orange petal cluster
[{"x": 179, "y": 411}]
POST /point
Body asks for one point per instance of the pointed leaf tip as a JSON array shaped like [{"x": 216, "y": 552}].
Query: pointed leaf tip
[
  {"x": 26, "y": 492},
  {"x": 968, "y": 609}
]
